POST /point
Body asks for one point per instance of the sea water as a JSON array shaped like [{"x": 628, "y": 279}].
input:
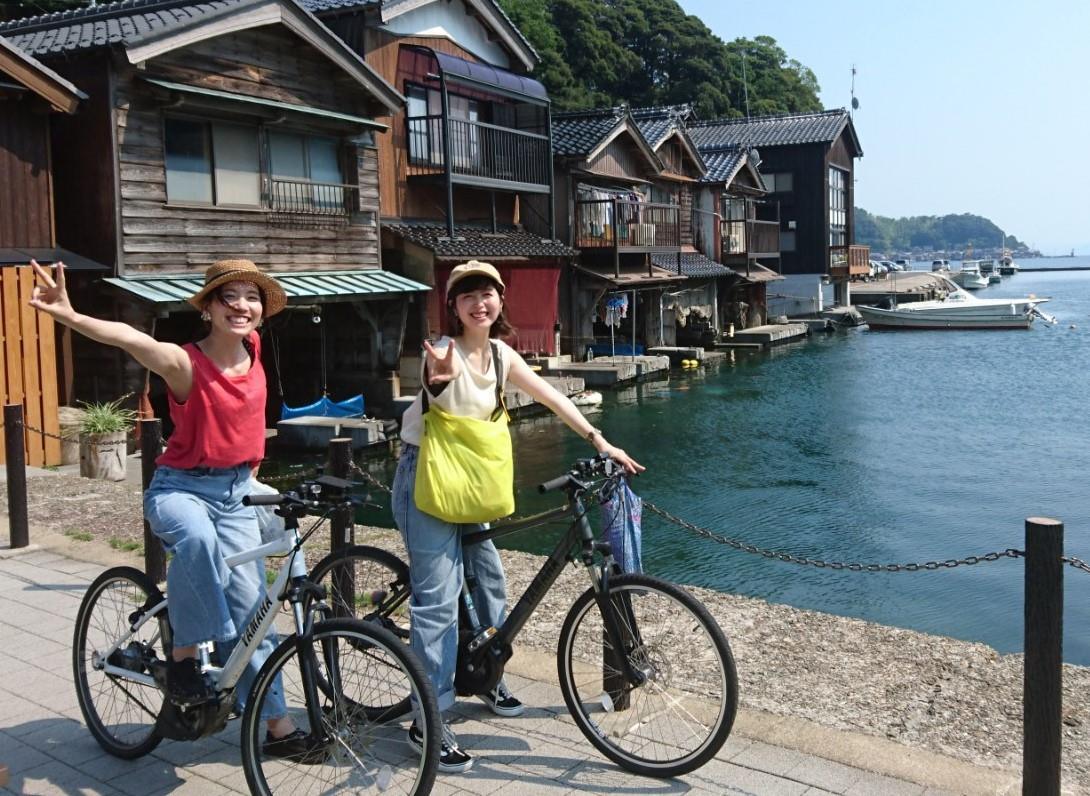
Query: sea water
[{"x": 868, "y": 447}]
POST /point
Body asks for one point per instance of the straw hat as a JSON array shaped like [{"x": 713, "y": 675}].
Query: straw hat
[
  {"x": 223, "y": 271},
  {"x": 474, "y": 268}
]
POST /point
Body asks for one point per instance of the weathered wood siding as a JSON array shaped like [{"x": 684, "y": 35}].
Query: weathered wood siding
[
  {"x": 620, "y": 158},
  {"x": 26, "y": 206},
  {"x": 273, "y": 64}
]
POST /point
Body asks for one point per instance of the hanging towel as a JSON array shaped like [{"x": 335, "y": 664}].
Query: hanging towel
[{"x": 622, "y": 526}]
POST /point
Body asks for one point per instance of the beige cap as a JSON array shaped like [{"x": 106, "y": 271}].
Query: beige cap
[{"x": 474, "y": 268}]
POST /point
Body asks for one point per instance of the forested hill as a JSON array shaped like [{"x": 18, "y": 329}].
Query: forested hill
[
  {"x": 929, "y": 233},
  {"x": 597, "y": 53}
]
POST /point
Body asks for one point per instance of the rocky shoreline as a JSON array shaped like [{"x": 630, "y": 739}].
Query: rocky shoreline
[{"x": 947, "y": 696}]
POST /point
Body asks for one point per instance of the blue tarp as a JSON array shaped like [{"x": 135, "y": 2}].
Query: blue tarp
[
  {"x": 324, "y": 407},
  {"x": 621, "y": 349}
]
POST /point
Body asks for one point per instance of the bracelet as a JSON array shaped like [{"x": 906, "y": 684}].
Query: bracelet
[{"x": 592, "y": 433}]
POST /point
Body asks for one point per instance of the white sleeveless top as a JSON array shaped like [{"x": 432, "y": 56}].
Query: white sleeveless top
[{"x": 472, "y": 394}]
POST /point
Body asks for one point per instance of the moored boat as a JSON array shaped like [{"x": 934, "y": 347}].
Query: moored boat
[
  {"x": 970, "y": 277},
  {"x": 957, "y": 310}
]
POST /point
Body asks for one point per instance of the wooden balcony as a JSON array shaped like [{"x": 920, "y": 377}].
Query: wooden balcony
[
  {"x": 481, "y": 155},
  {"x": 627, "y": 226},
  {"x": 848, "y": 262}
]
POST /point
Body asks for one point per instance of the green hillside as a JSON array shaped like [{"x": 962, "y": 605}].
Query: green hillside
[
  {"x": 929, "y": 233},
  {"x": 597, "y": 53}
]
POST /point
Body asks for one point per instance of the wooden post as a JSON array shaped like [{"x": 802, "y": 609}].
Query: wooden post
[
  {"x": 1043, "y": 669},
  {"x": 151, "y": 444},
  {"x": 15, "y": 451},
  {"x": 341, "y": 531}
]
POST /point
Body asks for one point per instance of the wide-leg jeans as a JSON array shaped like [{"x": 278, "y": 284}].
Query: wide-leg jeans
[
  {"x": 199, "y": 516},
  {"x": 435, "y": 574}
]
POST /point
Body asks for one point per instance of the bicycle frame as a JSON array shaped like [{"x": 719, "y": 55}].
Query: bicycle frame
[
  {"x": 228, "y": 676},
  {"x": 579, "y": 532}
]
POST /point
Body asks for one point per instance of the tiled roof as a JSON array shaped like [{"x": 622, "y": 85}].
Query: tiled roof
[
  {"x": 318, "y": 6},
  {"x": 693, "y": 264},
  {"x": 472, "y": 241},
  {"x": 723, "y": 164},
  {"x": 579, "y": 132},
  {"x": 766, "y": 131},
  {"x": 111, "y": 23}
]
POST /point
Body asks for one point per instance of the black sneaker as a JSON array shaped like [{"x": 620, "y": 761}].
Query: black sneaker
[
  {"x": 452, "y": 760},
  {"x": 502, "y": 702},
  {"x": 297, "y": 746},
  {"x": 186, "y": 684}
]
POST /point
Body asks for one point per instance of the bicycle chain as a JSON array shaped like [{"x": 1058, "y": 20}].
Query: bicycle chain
[{"x": 779, "y": 555}]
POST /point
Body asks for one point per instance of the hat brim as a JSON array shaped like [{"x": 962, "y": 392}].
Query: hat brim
[
  {"x": 275, "y": 297},
  {"x": 476, "y": 272}
]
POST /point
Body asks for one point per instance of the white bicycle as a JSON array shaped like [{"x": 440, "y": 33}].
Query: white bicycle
[{"x": 345, "y": 681}]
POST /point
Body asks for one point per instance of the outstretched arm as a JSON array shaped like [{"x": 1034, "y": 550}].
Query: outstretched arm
[
  {"x": 544, "y": 393},
  {"x": 167, "y": 359}
]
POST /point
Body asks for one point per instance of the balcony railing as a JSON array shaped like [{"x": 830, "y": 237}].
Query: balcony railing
[
  {"x": 627, "y": 225},
  {"x": 480, "y": 153},
  {"x": 307, "y": 198},
  {"x": 848, "y": 261}
]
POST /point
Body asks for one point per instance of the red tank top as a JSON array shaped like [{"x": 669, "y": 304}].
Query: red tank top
[{"x": 222, "y": 423}]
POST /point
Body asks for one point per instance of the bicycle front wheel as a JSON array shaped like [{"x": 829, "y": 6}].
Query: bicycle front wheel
[
  {"x": 120, "y": 709},
  {"x": 681, "y": 709},
  {"x": 367, "y": 583},
  {"x": 347, "y": 667}
]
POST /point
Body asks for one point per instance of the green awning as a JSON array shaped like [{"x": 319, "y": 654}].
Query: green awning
[
  {"x": 268, "y": 103},
  {"x": 302, "y": 287}
]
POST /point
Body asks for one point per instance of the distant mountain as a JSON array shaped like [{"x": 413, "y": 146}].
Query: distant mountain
[{"x": 929, "y": 233}]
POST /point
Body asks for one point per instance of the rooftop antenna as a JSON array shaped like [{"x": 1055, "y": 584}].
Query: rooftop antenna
[
  {"x": 745, "y": 84},
  {"x": 855, "y": 102}
]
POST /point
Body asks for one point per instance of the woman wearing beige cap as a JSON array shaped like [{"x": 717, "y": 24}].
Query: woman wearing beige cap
[
  {"x": 216, "y": 389},
  {"x": 463, "y": 378}
]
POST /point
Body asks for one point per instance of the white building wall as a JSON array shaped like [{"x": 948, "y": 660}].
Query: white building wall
[
  {"x": 798, "y": 295},
  {"x": 449, "y": 20}
]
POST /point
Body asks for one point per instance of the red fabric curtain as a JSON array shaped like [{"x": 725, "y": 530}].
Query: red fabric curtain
[{"x": 531, "y": 297}]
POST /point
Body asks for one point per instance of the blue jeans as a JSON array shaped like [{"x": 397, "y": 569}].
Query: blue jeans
[
  {"x": 435, "y": 574},
  {"x": 199, "y": 517}
]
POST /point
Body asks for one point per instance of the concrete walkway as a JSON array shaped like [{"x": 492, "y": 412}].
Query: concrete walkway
[{"x": 49, "y": 751}]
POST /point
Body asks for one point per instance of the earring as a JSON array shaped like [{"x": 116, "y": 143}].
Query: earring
[{"x": 206, "y": 316}]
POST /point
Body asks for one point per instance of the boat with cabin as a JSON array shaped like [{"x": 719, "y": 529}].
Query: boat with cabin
[
  {"x": 957, "y": 309},
  {"x": 940, "y": 265},
  {"x": 970, "y": 277}
]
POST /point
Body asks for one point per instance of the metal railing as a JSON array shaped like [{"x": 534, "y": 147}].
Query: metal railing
[
  {"x": 627, "y": 224},
  {"x": 477, "y": 150},
  {"x": 306, "y": 197}
]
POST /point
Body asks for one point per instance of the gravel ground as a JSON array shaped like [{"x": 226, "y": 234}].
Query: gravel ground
[{"x": 948, "y": 696}]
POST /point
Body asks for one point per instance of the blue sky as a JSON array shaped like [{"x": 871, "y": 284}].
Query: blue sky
[{"x": 966, "y": 106}]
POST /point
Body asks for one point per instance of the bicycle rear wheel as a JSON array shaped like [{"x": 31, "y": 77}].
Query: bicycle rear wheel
[
  {"x": 353, "y": 748},
  {"x": 367, "y": 583},
  {"x": 120, "y": 711},
  {"x": 681, "y": 714}
]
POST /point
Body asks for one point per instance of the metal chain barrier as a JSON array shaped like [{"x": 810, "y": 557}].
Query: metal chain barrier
[
  {"x": 1077, "y": 563},
  {"x": 366, "y": 476},
  {"x": 29, "y": 427},
  {"x": 838, "y": 565}
]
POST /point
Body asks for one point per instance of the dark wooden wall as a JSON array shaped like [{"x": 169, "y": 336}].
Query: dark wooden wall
[
  {"x": 26, "y": 208},
  {"x": 622, "y": 159}
]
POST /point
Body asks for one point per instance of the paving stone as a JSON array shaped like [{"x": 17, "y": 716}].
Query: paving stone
[
  {"x": 826, "y": 774},
  {"x": 767, "y": 758},
  {"x": 869, "y": 784},
  {"x": 55, "y": 778}
]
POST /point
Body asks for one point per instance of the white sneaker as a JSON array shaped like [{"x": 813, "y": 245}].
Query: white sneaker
[
  {"x": 452, "y": 760},
  {"x": 502, "y": 702}
]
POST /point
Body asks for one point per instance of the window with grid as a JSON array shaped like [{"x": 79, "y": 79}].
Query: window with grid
[{"x": 838, "y": 207}]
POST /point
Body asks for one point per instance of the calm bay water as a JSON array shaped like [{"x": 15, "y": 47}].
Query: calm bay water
[{"x": 870, "y": 447}]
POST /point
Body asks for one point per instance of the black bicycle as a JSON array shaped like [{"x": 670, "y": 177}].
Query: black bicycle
[
  {"x": 645, "y": 670},
  {"x": 345, "y": 681}
]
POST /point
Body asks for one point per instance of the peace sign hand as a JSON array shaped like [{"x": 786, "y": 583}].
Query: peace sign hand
[
  {"x": 50, "y": 295},
  {"x": 442, "y": 367}
]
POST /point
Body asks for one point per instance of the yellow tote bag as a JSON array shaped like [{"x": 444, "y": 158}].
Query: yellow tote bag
[{"x": 465, "y": 472}]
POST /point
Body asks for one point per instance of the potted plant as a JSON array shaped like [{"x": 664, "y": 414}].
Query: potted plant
[{"x": 103, "y": 439}]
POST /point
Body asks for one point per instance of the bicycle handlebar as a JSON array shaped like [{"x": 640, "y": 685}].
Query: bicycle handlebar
[
  {"x": 262, "y": 500},
  {"x": 600, "y": 466}
]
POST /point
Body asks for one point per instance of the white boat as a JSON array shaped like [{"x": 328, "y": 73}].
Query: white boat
[
  {"x": 994, "y": 278},
  {"x": 940, "y": 265},
  {"x": 587, "y": 398},
  {"x": 1007, "y": 265},
  {"x": 958, "y": 309},
  {"x": 969, "y": 277}
]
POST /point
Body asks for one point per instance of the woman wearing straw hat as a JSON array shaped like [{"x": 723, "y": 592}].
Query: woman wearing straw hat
[
  {"x": 216, "y": 389},
  {"x": 463, "y": 378}
]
